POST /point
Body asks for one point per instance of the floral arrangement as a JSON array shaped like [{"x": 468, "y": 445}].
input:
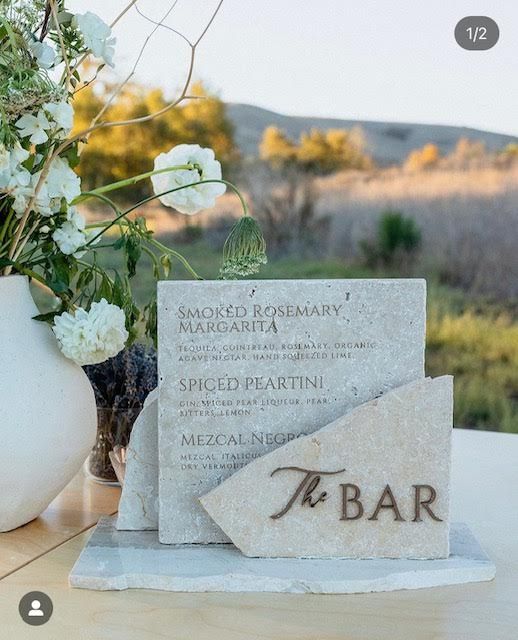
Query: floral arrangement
[{"x": 43, "y": 47}]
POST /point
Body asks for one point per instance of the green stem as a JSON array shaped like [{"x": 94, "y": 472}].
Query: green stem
[
  {"x": 153, "y": 257},
  {"x": 164, "y": 193},
  {"x": 6, "y": 224},
  {"x": 176, "y": 255},
  {"x": 99, "y": 196},
  {"x": 96, "y": 268},
  {"x": 130, "y": 181},
  {"x": 29, "y": 272}
]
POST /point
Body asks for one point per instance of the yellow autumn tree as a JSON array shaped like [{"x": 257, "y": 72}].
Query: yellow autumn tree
[
  {"x": 422, "y": 159},
  {"x": 115, "y": 153},
  {"x": 276, "y": 148},
  {"x": 318, "y": 151}
]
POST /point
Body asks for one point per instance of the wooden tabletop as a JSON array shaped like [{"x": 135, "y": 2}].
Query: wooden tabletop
[
  {"x": 39, "y": 556},
  {"x": 77, "y": 508}
]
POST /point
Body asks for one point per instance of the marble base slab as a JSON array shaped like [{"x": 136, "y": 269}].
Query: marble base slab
[{"x": 116, "y": 560}]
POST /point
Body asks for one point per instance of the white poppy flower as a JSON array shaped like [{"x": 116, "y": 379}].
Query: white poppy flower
[
  {"x": 34, "y": 126},
  {"x": 96, "y": 35},
  {"x": 195, "y": 198},
  {"x": 44, "y": 54},
  {"x": 62, "y": 114},
  {"x": 91, "y": 337},
  {"x": 62, "y": 181}
]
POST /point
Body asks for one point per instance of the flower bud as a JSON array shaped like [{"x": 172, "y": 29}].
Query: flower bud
[{"x": 244, "y": 251}]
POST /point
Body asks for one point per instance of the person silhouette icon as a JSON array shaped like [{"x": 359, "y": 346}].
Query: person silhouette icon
[{"x": 35, "y": 609}]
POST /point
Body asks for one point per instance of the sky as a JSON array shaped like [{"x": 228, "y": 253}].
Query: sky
[{"x": 386, "y": 60}]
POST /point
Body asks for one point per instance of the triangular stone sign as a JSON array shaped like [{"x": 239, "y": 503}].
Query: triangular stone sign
[{"x": 374, "y": 483}]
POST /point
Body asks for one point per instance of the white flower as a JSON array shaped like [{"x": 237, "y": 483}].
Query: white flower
[
  {"x": 14, "y": 178},
  {"x": 90, "y": 337},
  {"x": 43, "y": 203},
  {"x": 18, "y": 154},
  {"x": 44, "y": 54},
  {"x": 76, "y": 218},
  {"x": 62, "y": 115},
  {"x": 17, "y": 181},
  {"x": 72, "y": 235},
  {"x": 21, "y": 199},
  {"x": 62, "y": 181},
  {"x": 34, "y": 126},
  {"x": 96, "y": 34},
  {"x": 69, "y": 238},
  {"x": 195, "y": 198},
  {"x": 12, "y": 173}
]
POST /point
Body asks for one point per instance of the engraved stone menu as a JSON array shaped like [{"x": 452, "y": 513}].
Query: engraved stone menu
[
  {"x": 373, "y": 484},
  {"x": 248, "y": 366}
]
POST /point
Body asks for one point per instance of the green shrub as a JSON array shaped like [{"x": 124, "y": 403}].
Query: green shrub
[
  {"x": 397, "y": 240},
  {"x": 395, "y": 232}
]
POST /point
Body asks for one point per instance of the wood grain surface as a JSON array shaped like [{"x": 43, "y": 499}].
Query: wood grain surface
[{"x": 485, "y": 477}]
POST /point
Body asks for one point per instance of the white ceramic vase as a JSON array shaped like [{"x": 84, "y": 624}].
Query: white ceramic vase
[{"x": 48, "y": 415}]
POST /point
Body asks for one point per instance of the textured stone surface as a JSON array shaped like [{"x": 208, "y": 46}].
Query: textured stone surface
[
  {"x": 246, "y": 366},
  {"x": 399, "y": 440},
  {"x": 129, "y": 559},
  {"x": 138, "y": 506}
]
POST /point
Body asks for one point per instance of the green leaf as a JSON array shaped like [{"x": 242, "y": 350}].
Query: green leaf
[
  {"x": 72, "y": 155},
  {"x": 141, "y": 224},
  {"x": 105, "y": 289},
  {"x": 59, "y": 272},
  {"x": 133, "y": 252},
  {"x": 85, "y": 278},
  {"x": 118, "y": 292},
  {"x": 47, "y": 317},
  {"x": 120, "y": 243},
  {"x": 65, "y": 17},
  {"x": 151, "y": 322}
]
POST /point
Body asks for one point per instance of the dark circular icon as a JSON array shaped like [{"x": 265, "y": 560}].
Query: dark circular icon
[
  {"x": 477, "y": 33},
  {"x": 35, "y": 608}
]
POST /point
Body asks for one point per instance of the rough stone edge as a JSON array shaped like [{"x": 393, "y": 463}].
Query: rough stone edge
[
  {"x": 144, "y": 522},
  {"x": 482, "y": 570}
]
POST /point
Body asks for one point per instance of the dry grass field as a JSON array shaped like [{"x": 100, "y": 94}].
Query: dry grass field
[{"x": 468, "y": 221}]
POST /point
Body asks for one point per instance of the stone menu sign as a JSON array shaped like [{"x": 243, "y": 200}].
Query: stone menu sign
[
  {"x": 246, "y": 367},
  {"x": 374, "y": 483}
]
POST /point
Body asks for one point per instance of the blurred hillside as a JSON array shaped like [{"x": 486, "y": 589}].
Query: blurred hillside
[{"x": 387, "y": 142}]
